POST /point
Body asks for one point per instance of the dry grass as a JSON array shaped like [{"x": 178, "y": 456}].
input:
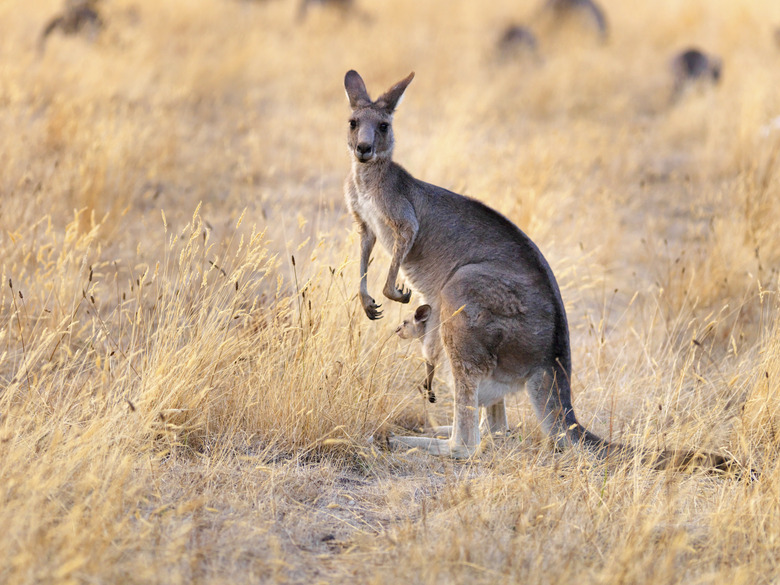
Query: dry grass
[{"x": 181, "y": 402}]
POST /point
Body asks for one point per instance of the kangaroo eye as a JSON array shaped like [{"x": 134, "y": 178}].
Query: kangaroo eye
[
  {"x": 384, "y": 126},
  {"x": 353, "y": 124}
]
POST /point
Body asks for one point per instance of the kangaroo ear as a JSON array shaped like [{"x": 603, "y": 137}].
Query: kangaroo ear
[
  {"x": 391, "y": 99},
  {"x": 422, "y": 313},
  {"x": 356, "y": 90}
]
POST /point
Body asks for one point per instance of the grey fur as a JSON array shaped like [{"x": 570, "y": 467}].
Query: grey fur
[
  {"x": 693, "y": 65},
  {"x": 493, "y": 296},
  {"x": 588, "y": 9},
  {"x": 79, "y": 16},
  {"x": 517, "y": 39},
  {"x": 343, "y": 7},
  {"x": 495, "y": 306}
]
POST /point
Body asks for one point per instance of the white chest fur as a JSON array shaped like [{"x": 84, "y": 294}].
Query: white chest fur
[{"x": 366, "y": 206}]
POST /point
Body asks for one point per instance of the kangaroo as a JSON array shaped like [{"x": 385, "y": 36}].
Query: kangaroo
[
  {"x": 495, "y": 306},
  {"x": 78, "y": 16},
  {"x": 693, "y": 65},
  {"x": 516, "y": 40},
  {"x": 343, "y": 6},
  {"x": 493, "y": 297},
  {"x": 414, "y": 327},
  {"x": 562, "y": 10}
]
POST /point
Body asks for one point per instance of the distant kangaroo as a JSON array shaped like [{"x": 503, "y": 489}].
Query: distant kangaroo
[
  {"x": 493, "y": 298},
  {"x": 343, "y": 6},
  {"x": 694, "y": 65},
  {"x": 587, "y": 9},
  {"x": 78, "y": 16},
  {"x": 517, "y": 39}
]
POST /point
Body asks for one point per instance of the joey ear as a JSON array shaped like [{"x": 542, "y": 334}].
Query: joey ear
[
  {"x": 391, "y": 99},
  {"x": 356, "y": 90},
  {"x": 422, "y": 313}
]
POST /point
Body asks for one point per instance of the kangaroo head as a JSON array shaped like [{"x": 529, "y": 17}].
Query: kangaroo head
[
  {"x": 413, "y": 327},
  {"x": 370, "y": 126}
]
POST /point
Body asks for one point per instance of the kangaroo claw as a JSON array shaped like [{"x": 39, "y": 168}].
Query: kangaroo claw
[
  {"x": 372, "y": 310},
  {"x": 400, "y": 295},
  {"x": 427, "y": 392}
]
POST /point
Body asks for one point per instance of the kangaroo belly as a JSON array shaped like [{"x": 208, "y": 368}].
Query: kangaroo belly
[
  {"x": 424, "y": 280},
  {"x": 491, "y": 391}
]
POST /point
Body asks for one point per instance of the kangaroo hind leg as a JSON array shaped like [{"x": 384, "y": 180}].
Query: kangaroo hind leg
[
  {"x": 551, "y": 401},
  {"x": 493, "y": 420},
  {"x": 464, "y": 439}
]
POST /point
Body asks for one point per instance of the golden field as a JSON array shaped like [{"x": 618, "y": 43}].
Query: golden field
[{"x": 181, "y": 402}]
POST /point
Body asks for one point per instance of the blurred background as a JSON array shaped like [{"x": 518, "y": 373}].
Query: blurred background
[{"x": 240, "y": 105}]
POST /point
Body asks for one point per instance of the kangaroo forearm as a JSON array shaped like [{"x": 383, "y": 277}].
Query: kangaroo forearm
[
  {"x": 392, "y": 274},
  {"x": 404, "y": 239},
  {"x": 367, "y": 241},
  {"x": 429, "y": 370}
]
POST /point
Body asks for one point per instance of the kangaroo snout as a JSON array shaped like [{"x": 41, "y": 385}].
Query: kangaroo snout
[{"x": 364, "y": 151}]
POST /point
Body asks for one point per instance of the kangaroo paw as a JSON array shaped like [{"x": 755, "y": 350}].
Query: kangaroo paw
[
  {"x": 440, "y": 447},
  {"x": 427, "y": 393},
  {"x": 401, "y": 295},
  {"x": 372, "y": 309},
  {"x": 442, "y": 431}
]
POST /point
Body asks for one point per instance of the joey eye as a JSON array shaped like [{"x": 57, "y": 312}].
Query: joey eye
[
  {"x": 353, "y": 124},
  {"x": 384, "y": 126}
]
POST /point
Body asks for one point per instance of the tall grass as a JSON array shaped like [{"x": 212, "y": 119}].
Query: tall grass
[{"x": 189, "y": 389}]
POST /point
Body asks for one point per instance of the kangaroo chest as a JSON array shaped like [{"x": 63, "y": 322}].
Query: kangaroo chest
[{"x": 366, "y": 206}]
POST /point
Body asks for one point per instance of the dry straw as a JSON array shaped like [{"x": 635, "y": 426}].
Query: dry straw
[{"x": 181, "y": 402}]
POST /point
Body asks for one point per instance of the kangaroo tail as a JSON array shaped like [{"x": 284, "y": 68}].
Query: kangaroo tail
[
  {"x": 568, "y": 430},
  {"x": 693, "y": 460},
  {"x": 579, "y": 435},
  {"x": 686, "y": 460}
]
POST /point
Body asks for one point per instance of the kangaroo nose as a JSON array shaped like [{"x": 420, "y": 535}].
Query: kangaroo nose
[{"x": 364, "y": 148}]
